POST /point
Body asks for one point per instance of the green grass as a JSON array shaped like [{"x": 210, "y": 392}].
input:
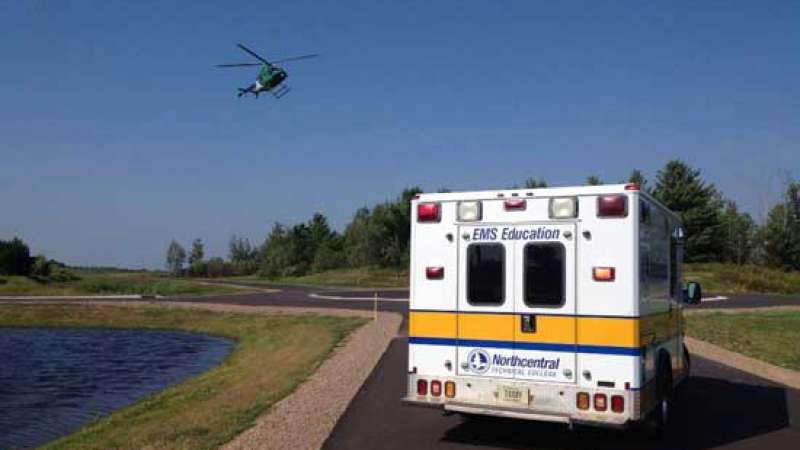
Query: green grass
[
  {"x": 271, "y": 357},
  {"x": 714, "y": 277},
  {"x": 730, "y": 278},
  {"x": 353, "y": 278},
  {"x": 117, "y": 283},
  {"x": 773, "y": 337}
]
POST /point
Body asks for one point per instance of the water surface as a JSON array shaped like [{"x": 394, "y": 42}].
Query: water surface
[{"x": 54, "y": 380}]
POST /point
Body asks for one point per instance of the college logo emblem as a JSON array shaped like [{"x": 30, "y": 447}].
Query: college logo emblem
[{"x": 478, "y": 361}]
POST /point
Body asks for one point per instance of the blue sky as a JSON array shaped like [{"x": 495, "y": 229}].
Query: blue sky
[{"x": 117, "y": 135}]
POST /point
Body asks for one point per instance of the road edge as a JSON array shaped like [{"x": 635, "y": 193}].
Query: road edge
[
  {"x": 305, "y": 418},
  {"x": 742, "y": 362}
]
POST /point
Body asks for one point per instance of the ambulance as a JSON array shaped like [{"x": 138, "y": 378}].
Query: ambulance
[{"x": 556, "y": 304}]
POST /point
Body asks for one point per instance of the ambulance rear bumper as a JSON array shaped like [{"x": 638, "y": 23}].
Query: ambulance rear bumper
[
  {"x": 517, "y": 413},
  {"x": 513, "y": 413}
]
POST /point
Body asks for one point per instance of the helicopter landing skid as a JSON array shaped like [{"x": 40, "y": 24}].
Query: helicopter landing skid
[{"x": 281, "y": 90}]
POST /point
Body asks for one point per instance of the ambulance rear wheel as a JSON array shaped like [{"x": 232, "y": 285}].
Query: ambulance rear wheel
[
  {"x": 687, "y": 367},
  {"x": 663, "y": 410}
]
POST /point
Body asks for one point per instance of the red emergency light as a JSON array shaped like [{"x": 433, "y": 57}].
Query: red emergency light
[
  {"x": 429, "y": 212},
  {"x": 612, "y": 206}
]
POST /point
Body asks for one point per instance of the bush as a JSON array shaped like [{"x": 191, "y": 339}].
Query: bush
[
  {"x": 41, "y": 267},
  {"x": 328, "y": 258},
  {"x": 61, "y": 274},
  {"x": 198, "y": 269},
  {"x": 216, "y": 267}
]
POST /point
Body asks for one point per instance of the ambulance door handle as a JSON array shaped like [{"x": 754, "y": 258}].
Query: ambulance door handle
[{"x": 528, "y": 323}]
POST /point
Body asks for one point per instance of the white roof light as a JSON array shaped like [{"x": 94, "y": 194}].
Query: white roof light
[
  {"x": 563, "y": 208},
  {"x": 469, "y": 211}
]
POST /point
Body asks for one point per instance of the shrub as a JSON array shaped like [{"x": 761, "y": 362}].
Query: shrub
[
  {"x": 41, "y": 267},
  {"x": 61, "y": 274}
]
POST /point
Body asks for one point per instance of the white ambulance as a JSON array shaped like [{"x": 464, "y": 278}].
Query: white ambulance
[{"x": 554, "y": 304}]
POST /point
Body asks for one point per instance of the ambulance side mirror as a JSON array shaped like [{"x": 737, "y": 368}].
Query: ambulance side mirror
[{"x": 693, "y": 293}]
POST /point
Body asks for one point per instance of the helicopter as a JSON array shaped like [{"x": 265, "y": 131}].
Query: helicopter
[{"x": 270, "y": 78}]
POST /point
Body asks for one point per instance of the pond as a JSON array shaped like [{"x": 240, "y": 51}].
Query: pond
[{"x": 53, "y": 381}]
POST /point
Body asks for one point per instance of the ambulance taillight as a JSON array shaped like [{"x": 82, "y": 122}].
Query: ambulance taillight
[
  {"x": 429, "y": 212},
  {"x": 436, "y": 388},
  {"x": 422, "y": 387},
  {"x": 450, "y": 389},
  {"x": 582, "y": 400},
  {"x": 617, "y": 403},
  {"x": 600, "y": 402}
]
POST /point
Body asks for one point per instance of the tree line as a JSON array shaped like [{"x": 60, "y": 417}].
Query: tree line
[
  {"x": 717, "y": 231},
  {"x": 16, "y": 259}
]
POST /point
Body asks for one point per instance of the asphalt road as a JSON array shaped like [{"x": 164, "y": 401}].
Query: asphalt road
[{"x": 720, "y": 408}]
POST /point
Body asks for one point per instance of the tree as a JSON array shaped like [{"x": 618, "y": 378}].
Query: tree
[
  {"x": 279, "y": 254},
  {"x": 243, "y": 256},
  {"x": 380, "y": 236},
  {"x": 15, "y": 257},
  {"x": 239, "y": 249},
  {"x": 739, "y": 231},
  {"x": 176, "y": 255},
  {"x": 198, "y": 251},
  {"x": 533, "y": 183},
  {"x": 593, "y": 180},
  {"x": 637, "y": 178},
  {"x": 782, "y": 231},
  {"x": 682, "y": 190}
]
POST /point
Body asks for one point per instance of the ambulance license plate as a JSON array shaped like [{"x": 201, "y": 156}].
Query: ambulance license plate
[{"x": 511, "y": 394}]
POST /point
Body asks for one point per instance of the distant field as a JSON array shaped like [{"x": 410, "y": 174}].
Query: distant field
[
  {"x": 272, "y": 356},
  {"x": 357, "y": 278},
  {"x": 773, "y": 337},
  {"x": 719, "y": 278},
  {"x": 116, "y": 283},
  {"x": 730, "y": 278}
]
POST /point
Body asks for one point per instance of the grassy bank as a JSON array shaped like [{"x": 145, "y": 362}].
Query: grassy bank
[
  {"x": 769, "y": 336},
  {"x": 118, "y": 283},
  {"x": 730, "y": 278},
  {"x": 272, "y": 355}
]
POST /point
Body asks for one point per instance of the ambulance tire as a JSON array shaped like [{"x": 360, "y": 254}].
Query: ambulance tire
[
  {"x": 660, "y": 416},
  {"x": 687, "y": 361}
]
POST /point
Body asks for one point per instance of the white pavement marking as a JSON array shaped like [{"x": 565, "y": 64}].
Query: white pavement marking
[
  {"x": 718, "y": 298},
  {"x": 372, "y": 299}
]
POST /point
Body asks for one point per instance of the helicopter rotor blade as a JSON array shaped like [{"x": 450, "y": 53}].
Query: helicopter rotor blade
[
  {"x": 295, "y": 58},
  {"x": 239, "y": 65},
  {"x": 253, "y": 54}
]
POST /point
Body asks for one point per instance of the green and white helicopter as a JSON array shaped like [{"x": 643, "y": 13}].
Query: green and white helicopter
[{"x": 270, "y": 78}]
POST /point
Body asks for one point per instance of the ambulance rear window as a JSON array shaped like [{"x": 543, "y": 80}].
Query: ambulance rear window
[
  {"x": 486, "y": 274},
  {"x": 544, "y": 274}
]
